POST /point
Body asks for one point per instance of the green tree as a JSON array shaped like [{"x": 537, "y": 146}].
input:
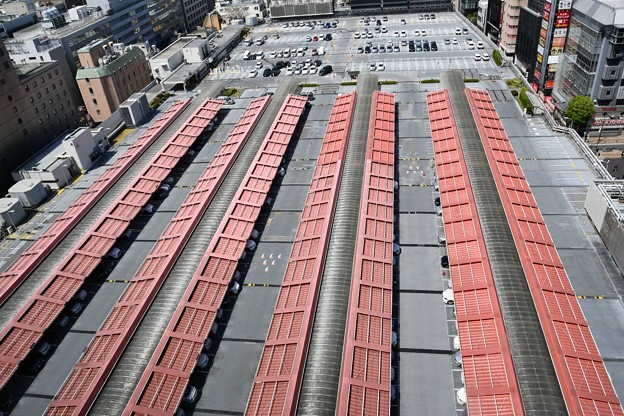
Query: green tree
[
  {"x": 496, "y": 57},
  {"x": 472, "y": 17},
  {"x": 580, "y": 109}
]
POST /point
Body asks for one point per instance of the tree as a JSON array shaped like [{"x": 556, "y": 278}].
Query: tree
[
  {"x": 580, "y": 109},
  {"x": 472, "y": 17}
]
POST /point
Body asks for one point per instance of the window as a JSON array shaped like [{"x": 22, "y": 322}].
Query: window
[
  {"x": 38, "y": 95},
  {"x": 42, "y": 80},
  {"x": 56, "y": 71},
  {"x": 20, "y": 121},
  {"x": 26, "y": 88},
  {"x": 31, "y": 99},
  {"x": 34, "y": 84},
  {"x": 10, "y": 97},
  {"x": 2, "y": 81},
  {"x": 60, "y": 82},
  {"x": 87, "y": 80},
  {"x": 36, "y": 110},
  {"x": 90, "y": 90},
  {"x": 50, "y": 101},
  {"x": 47, "y": 90},
  {"x": 98, "y": 112},
  {"x": 95, "y": 101},
  {"x": 49, "y": 75},
  {"x": 25, "y": 132},
  {"x": 15, "y": 110},
  {"x": 7, "y": 65},
  {"x": 53, "y": 86}
]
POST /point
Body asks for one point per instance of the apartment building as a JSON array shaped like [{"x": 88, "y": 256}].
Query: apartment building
[
  {"x": 109, "y": 75},
  {"x": 509, "y": 25}
]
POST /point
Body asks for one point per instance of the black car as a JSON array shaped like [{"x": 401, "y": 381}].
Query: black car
[
  {"x": 367, "y": 49},
  {"x": 434, "y": 46},
  {"x": 327, "y": 69},
  {"x": 426, "y": 46},
  {"x": 266, "y": 72},
  {"x": 275, "y": 71},
  {"x": 280, "y": 64},
  {"x": 328, "y": 36},
  {"x": 318, "y": 62}
]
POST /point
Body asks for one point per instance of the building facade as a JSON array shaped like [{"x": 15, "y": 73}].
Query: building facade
[
  {"x": 109, "y": 76},
  {"x": 551, "y": 41},
  {"x": 593, "y": 61},
  {"x": 35, "y": 107},
  {"x": 194, "y": 12},
  {"x": 509, "y": 25},
  {"x": 527, "y": 39}
]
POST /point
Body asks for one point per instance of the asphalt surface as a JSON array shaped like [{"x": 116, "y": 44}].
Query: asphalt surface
[{"x": 425, "y": 376}]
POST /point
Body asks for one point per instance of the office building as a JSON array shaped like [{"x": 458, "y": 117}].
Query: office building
[
  {"x": 194, "y": 12},
  {"x": 35, "y": 107},
  {"x": 553, "y": 31},
  {"x": 110, "y": 74},
  {"x": 593, "y": 61},
  {"x": 530, "y": 21}
]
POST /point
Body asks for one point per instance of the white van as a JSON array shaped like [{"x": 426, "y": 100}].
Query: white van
[
  {"x": 247, "y": 55},
  {"x": 321, "y": 50}
]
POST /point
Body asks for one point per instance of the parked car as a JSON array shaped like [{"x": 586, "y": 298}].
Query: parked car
[
  {"x": 327, "y": 69},
  {"x": 448, "y": 297}
]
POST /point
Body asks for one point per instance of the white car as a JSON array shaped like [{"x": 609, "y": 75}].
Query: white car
[
  {"x": 416, "y": 32},
  {"x": 258, "y": 65},
  {"x": 462, "y": 398},
  {"x": 454, "y": 41},
  {"x": 253, "y": 73},
  {"x": 273, "y": 54},
  {"x": 448, "y": 297},
  {"x": 305, "y": 70},
  {"x": 396, "y": 34},
  {"x": 356, "y": 35},
  {"x": 485, "y": 56},
  {"x": 470, "y": 44},
  {"x": 373, "y": 66},
  {"x": 289, "y": 71},
  {"x": 381, "y": 66},
  {"x": 313, "y": 70},
  {"x": 477, "y": 57},
  {"x": 403, "y": 34},
  {"x": 458, "y": 31},
  {"x": 480, "y": 45},
  {"x": 423, "y": 32}
]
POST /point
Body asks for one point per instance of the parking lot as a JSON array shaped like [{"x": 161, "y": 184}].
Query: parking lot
[{"x": 354, "y": 44}]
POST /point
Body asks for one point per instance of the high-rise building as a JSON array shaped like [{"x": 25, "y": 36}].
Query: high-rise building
[
  {"x": 527, "y": 39},
  {"x": 593, "y": 61},
  {"x": 509, "y": 25},
  {"x": 553, "y": 32},
  {"x": 194, "y": 12},
  {"x": 35, "y": 107},
  {"x": 493, "y": 19},
  {"x": 128, "y": 22},
  {"x": 109, "y": 75}
]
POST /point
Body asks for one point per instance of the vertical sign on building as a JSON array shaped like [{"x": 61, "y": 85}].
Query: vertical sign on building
[{"x": 556, "y": 19}]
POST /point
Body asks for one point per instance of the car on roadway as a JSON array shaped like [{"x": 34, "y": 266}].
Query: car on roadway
[{"x": 381, "y": 66}]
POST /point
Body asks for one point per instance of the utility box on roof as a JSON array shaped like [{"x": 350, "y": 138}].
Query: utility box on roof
[
  {"x": 30, "y": 192},
  {"x": 135, "y": 109},
  {"x": 11, "y": 212}
]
